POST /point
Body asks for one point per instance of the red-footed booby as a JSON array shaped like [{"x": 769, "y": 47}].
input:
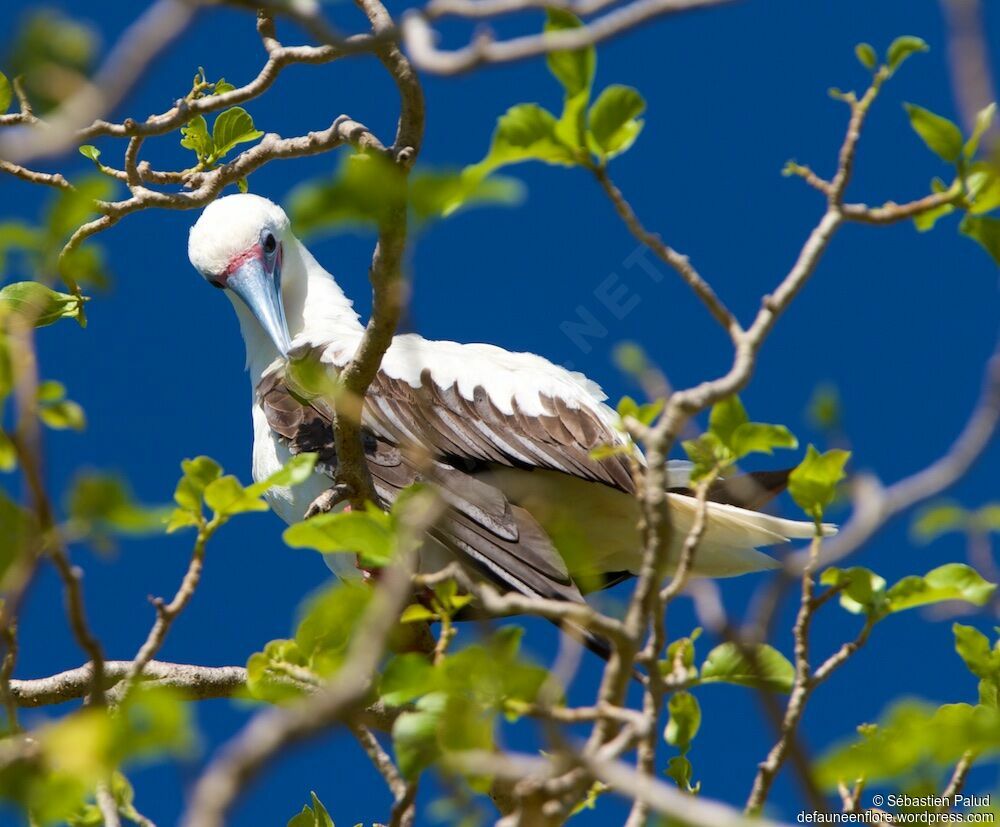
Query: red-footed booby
[{"x": 507, "y": 437}]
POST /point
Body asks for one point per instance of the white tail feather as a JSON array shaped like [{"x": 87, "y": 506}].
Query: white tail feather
[{"x": 733, "y": 534}]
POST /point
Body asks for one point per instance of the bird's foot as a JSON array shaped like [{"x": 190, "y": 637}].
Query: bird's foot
[
  {"x": 329, "y": 500},
  {"x": 368, "y": 575}
]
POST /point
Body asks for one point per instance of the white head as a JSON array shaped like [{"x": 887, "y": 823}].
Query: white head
[
  {"x": 238, "y": 244},
  {"x": 244, "y": 245}
]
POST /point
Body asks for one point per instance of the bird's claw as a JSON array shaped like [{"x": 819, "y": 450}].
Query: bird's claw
[{"x": 329, "y": 500}]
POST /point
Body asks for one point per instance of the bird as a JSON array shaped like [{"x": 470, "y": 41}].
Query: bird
[{"x": 510, "y": 440}]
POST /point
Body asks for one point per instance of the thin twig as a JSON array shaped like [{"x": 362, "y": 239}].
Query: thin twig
[
  {"x": 801, "y": 685},
  {"x": 107, "y": 805},
  {"x": 419, "y": 37},
  {"x": 667, "y": 254},
  {"x": 9, "y": 635},
  {"x": 958, "y": 778},
  {"x": 166, "y": 613}
]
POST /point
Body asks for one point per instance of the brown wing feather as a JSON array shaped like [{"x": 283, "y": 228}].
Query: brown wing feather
[
  {"x": 500, "y": 541},
  {"x": 562, "y": 439}
]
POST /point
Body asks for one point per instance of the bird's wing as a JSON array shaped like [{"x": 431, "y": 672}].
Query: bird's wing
[
  {"x": 485, "y": 404},
  {"x": 499, "y": 540}
]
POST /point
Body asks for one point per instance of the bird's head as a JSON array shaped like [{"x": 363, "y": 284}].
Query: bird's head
[{"x": 238, "y": 245}]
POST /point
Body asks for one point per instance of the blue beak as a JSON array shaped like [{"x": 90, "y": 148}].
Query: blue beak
[{"x": 260, "y": 290}]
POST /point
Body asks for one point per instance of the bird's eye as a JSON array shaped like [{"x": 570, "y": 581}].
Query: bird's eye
[{"x": 270, "y": 245}]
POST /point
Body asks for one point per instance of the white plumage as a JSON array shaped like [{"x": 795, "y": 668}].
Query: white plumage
[{"x": 519, "y": 392}]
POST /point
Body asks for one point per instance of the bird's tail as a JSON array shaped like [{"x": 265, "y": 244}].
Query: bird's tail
[{"x": 735, "y": 528}]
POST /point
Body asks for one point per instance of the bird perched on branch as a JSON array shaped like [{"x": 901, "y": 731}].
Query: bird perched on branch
[{"x": 507, "y": 438}]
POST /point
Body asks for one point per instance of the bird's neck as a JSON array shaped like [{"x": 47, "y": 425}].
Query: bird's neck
[{"x": 315, "y": 308}]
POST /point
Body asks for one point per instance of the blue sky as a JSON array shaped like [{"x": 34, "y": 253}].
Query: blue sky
[{"x": 900, "y": 322}]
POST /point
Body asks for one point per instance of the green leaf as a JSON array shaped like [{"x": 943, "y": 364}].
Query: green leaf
[
  {"x": 329, "y": 623},
  {"x": 613, "y": 119},
  {"x": 525, "y": 132},
  {"x": 493, "y": 673},
  {"x": 590, "y": 800},
  {"x": 101, "y": 504},
  {"x": 573, "y": 69},
  {"x": 194, "y": 136},
  {"x": 679, "y": 769},
  {"x": 91, "y": 152},
  {"x": 684, "y": 721},
  {"x": 912, "y": 736},
  {"x": 725, "y": 417},
  {"x": 8, "y": 453},
  {"x": 942, "y": 136},
  {"x": 974, "y": 649},
  {"x": 953, "y": 581},
  {"x": 707, "y": 453},
  {"x": 631, "y": 359},
  {"x": 222, "y": 86},
  {"x": 63, "y": 415},
  {"x": 152, "y": 720},
  {"x": 982, "y": 661},
  {"x": 198, "y": 473},
  {"x": 646, "y": 413},
  {"x": 764, "y": 667},
  {"x": 441, "y": 194},
  {"x": 901, "y": 48},
  {"x": 939, "y": 519},
  {"x": 91, "y": 742},
  {"x": 50, "y": 391},
  {"x": 233, "y": 127},
  {"x": 984, "y": 119},
  {"x": 985, "y": 231},
  {"x": 18, "y": 527},
  {"x": 415, "y": 735},
  {"x": 866, "y": 56},
  {"x": 268, "y": 672},
  {"x": 824, "y": 408},
  {"x": 415, "y": 613},
  {"x": 406, "y": 678},
  {"x": 227, "y": 497},
  {"x": 73, "y": 207},
  {"x": 760, "y": 437},
  {"x": 926, "y": 220},
  {"x": 52, "y": 52},
  {"x": 680, "y": 653},
  {"x": 862, "y": 591},
  {"x": 731, "y": 436},
  {"x": 987, "y": 518},
  {"x": 813, "y": 483},
  {"x": 6, "y": 93},
  {"x": 294, "y": 472},
  {"x": 447, "y": 596},
  {"x": 982, "y": 184},
  {"x": 41, "y": 305},
  {"x": 368, "y": 187},
  {"x": 366, "y": 533},
  {"x": 313, "y": 815}
]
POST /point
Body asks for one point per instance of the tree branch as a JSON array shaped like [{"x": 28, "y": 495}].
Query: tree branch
[
  {"x": 166, "y": 613},
  {"x": 385, "y": 274},
  {"x": 194, "y": 682},
  {"x": 137, "y": 47},
  {"x": 668, "y": 255},
  {"x": 419, "y": 37}
]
